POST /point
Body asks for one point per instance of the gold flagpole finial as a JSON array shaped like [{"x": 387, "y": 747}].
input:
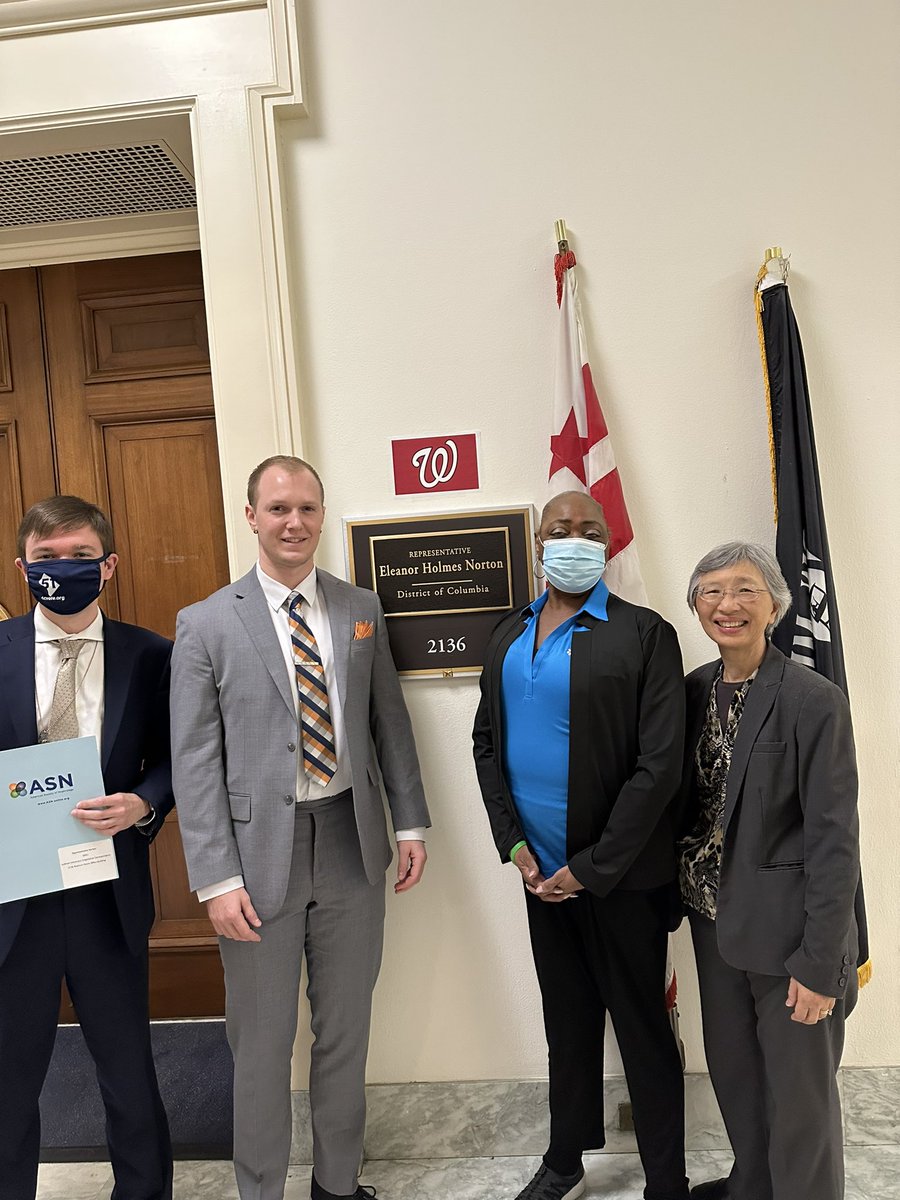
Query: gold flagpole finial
[
  {"x": 562, "y": 237},
  {"x": 775, "y": 261}
]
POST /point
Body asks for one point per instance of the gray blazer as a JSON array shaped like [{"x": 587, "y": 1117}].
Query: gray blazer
[
  {"x": 790, "y": 858},
  {"x": 235, "y": 739}
]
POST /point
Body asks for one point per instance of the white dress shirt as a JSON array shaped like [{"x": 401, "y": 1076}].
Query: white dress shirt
[
  {"x": 89, "y": 677},
  {"x": 315, "y": 614}
]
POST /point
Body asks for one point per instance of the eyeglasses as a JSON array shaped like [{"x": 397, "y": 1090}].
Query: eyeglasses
[{"x": 741, "y": 595}]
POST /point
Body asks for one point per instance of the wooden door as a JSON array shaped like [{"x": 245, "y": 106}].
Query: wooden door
[
  {"x": 26, "y": 453},
  {"x": 129, "y": 400}
]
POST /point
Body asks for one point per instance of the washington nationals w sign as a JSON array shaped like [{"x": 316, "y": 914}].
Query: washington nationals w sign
[{"x": 423, "y": 466}]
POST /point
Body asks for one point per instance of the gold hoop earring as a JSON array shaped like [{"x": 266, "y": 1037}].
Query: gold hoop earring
[{"x": 534, "y": 569}]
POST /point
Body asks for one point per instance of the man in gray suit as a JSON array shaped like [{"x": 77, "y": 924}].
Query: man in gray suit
[{"x": 285, "y": 703}]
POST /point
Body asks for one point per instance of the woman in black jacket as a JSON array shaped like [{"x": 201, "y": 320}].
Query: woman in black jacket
[{"x": 769, "y": 872}]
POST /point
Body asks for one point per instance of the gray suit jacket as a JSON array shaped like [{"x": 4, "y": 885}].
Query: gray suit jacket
[
  {"x": 790, "y": 859},
  {"x": 235, "y": 740}
]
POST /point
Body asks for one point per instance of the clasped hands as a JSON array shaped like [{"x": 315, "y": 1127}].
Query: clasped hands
[{"x": 561, "y": 886}]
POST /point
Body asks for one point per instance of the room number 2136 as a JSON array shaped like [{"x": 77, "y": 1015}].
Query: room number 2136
[{"x": 446, "y": 645}]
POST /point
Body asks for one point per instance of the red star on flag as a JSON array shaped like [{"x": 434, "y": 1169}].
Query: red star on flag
[{"x": 568, "y": 449}]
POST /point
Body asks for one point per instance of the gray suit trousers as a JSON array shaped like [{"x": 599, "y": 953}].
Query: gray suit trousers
[
  {"x": 775, "y": 1079},
  {"x": 334, "y": 916}
]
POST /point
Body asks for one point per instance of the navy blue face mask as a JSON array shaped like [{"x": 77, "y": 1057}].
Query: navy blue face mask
[{"x": 65, "y": 585}]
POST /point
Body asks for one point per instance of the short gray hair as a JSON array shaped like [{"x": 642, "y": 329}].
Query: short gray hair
[{"x": 729, "y": 554}]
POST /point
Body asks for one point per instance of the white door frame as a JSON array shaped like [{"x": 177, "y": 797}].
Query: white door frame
[{"x": 232, "y": 67}]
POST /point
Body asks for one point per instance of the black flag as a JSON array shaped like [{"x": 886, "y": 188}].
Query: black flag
[{"x": 810, "y": 633}]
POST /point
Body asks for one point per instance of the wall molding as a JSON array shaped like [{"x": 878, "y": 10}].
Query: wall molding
[
  {"x": 25, "y": 18},
  {"x": 89, "y": 244}
]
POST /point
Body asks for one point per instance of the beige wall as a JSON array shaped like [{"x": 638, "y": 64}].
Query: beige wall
[
  {"x": 678, "y": 140},
  {"x": 444, "y": 139}
]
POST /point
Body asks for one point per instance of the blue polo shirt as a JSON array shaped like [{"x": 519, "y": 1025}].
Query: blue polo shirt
[{"x": 535, "y": 699}]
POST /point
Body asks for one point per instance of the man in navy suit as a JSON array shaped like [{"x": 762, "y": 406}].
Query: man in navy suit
[{"x": 66, "y": 670}]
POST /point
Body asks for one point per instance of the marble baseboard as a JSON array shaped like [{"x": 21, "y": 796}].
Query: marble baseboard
[
  {"x": 502, "y": 1118},
  {"x": 871, "y": 1106}
]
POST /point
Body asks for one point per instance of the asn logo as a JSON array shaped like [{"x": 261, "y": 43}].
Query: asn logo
[
  {"x": 37, "y": 787},
  {"x": 51, "y": 585}
]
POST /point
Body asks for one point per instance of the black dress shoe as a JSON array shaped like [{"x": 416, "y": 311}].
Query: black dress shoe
[
  {"x": 317, "y": 1192},
  {"x": 713, "y": 1189}
]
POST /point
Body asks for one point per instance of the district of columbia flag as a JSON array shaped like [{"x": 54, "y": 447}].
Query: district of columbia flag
[
  {"x": 581, "y": 453},
  {"x": 582, "y": 459}
]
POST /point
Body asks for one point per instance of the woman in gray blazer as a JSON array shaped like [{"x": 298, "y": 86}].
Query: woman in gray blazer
[{"x": 769, "y": 870}]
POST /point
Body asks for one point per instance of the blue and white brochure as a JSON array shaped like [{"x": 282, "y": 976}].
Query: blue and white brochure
[{"x": 43, "y": 848}]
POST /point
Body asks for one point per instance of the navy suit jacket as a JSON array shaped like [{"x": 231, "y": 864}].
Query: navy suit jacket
[{"x": 134, "y": 753}]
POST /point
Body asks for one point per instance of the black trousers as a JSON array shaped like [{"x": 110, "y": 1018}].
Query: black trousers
[
  {"x": 596, "y": 956},
  {"x": 775, "y": 1079},
  {"x": 77, "y": 935}
]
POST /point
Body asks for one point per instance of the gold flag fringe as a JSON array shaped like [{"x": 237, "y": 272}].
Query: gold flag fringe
[
  {"x": 765, "y": 368},
  {"x": 864, "y": 973}
]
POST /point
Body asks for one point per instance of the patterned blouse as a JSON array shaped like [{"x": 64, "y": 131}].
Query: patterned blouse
[{"x": 700, "y": 853}]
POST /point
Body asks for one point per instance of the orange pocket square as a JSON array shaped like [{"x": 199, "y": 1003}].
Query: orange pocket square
[{"x": 363, "y": 629}]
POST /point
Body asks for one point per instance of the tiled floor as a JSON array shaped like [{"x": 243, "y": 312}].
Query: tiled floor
[{"x": 873, "y": 1173}]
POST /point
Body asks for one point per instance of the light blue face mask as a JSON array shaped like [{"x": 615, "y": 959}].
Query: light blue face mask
[{"x": 574, "y": 564}]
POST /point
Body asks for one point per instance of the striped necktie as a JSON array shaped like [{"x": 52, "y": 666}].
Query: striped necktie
[{"x": 317, "y": 731}]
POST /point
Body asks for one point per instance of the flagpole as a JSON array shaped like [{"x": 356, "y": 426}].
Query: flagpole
[
  {"x": 811, "y": 633},
  {"x": 581, "y": 453},
  {"x": 775, "y": 254}
]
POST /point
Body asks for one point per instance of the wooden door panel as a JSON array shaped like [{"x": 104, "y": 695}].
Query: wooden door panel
[
  {"x": 26, "y": 453},
  {"x": 6, "y": 383},
  {"x": 166, "y": 508},
  {"x": 13, "y": 592},
  {"x": 154, "y": 364},
  {"x": 132, "y": 409},
  {"x": 185, "y": 979},
  {"x": 134, "y": 335}
]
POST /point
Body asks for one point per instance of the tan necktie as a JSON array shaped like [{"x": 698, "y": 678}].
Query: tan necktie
[{"x": 62, "y": 722}]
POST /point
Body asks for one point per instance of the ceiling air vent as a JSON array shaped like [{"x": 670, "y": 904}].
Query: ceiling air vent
[{"x": 86, "y": 185}]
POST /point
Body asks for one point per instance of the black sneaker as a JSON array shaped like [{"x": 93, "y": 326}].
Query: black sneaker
[
  {"x": 547, "y": 1185},
  {"x": 317, "y": 1192},
  {"x": 713, "y": 1189}
]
